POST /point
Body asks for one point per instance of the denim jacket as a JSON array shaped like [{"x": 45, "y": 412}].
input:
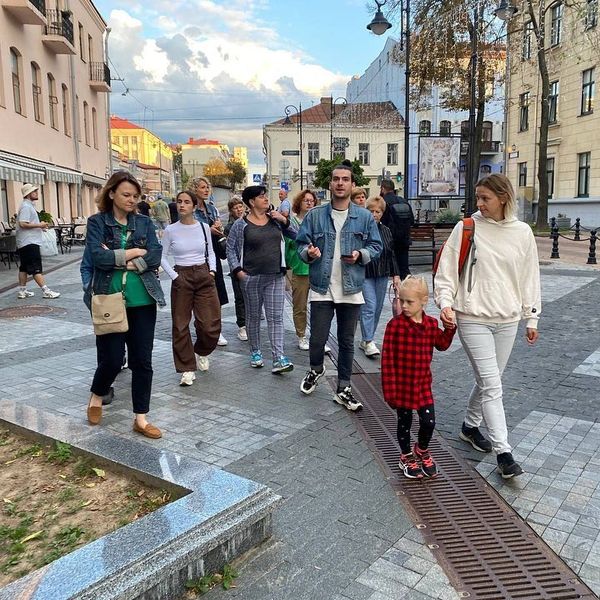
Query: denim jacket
[
  {"x": 103, "y": 229},
  {"x": 358, "y": 233}
]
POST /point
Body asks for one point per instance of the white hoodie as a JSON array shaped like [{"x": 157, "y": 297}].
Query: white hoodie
[{"x": 501, "y": 279}]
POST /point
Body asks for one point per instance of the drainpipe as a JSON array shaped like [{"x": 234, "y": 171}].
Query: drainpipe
[
  {"x": 108, "y": 126},
  {"x": 76, "y": 125}
]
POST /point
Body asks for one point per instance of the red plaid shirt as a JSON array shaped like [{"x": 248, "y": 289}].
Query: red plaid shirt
[{"x": 406, "y": 360}]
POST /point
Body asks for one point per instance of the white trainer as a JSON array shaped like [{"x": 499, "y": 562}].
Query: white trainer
[
  {"x": 222, "y": 341},
  {"x": 187, "y": 378},
  {"x": 242, "y": 334},
  {"x": 303, "y": 343},
  {"x": 369, "y": 348},
  {"x": 50, "y": 294},
  {"x": 202, "y": 362},
  {"x": 22, "y": 294}
]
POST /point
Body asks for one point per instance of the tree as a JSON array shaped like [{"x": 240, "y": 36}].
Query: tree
[
  {"x": 237, "y": 172},
  {"x": 216, "y": 171},
  {"x": 325, "y": 168},
  {"x": 185, "y": 178}
]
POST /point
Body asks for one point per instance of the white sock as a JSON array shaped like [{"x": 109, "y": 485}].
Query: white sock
[{"x": 45, "y": 288}]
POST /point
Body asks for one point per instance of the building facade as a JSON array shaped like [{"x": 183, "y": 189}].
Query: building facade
[
  {"x": 195, "y": 153},
  {"x": 54, "y": 83},
  {"x": 371, "y": 132},
  {"x": 572, "y": 52}
]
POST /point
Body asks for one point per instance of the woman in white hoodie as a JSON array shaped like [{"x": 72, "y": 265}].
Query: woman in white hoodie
[{"x": 500, "y": 285}]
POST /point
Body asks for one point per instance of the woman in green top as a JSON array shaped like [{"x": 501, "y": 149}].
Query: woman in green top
[
  {"x": 302, "y": 203},
  {"x": 125, "y": 255}
]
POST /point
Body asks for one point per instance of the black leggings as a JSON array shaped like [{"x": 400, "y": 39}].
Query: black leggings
[{"x": 426, "y": 426}]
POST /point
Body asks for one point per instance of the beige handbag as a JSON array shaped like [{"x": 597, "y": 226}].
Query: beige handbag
[{"x": 109, "y": 314}]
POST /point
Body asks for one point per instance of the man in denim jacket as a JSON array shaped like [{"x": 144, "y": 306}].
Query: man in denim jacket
[{"x": 337, "y": 240}]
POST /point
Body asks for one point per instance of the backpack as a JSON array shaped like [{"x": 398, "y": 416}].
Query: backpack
[{"x": 468, "y": 233}]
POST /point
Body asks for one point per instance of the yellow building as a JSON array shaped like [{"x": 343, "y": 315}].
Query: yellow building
[
  {"x": 240, "y": 153},
  {"x": 573, "y": 57}
]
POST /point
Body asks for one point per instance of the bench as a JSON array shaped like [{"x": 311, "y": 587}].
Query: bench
[{"x": 426, "y": 239}]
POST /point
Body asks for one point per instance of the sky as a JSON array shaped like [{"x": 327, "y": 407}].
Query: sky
[{"x": 221, "y": 69}]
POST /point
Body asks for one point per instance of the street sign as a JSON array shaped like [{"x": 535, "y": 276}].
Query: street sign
[
  {"x": 513, "y": 154},
  {"x": 285, "y": 185},
  {"x": 290, "y": 153},
  {"x": 256, "y": 178}
]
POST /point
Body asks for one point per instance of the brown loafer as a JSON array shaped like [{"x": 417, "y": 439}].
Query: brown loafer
[
  {"x": 94, "y": 414},
  {"x": 150, "y": 431}
]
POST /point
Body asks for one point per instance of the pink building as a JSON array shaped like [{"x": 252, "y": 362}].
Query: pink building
[{"x": 54, "y": 85}]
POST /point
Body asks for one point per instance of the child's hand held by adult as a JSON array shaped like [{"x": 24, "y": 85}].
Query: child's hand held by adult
[
  {"x": 532, "y": 335},
  {"x": 447, "y": 317}
]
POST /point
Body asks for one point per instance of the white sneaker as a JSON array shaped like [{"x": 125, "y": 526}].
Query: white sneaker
[
  {"x": 50, "y": 294},
  {"x": 327, "y": 349},
  {"x": 242, "y": 334},
  {"x": 202, "y": 362},
  {"x": 222, "y": 341},
  {"x": 369, "y": 348},
  {"x": 303, "y": 343},
  {"x": 22, "y": 294},
  {"x": 187, "y": 378}
]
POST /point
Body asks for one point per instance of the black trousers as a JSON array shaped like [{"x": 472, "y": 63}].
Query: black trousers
[
  {"x": 401, "y": 253},
  {"x": 426, "y": 427},
  {"x": 140, "y": 341}
]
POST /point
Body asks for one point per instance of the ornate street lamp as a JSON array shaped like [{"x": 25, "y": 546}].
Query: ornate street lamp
[
  {"x": 333, "y": 103},
  {"x": 505, "y": 11},
  {"x": 379, "y": 25},
  {"x": 291, "y": 109}
]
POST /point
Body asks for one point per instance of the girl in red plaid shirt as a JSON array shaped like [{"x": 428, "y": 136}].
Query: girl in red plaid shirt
[{"x": 406, "y": 373}]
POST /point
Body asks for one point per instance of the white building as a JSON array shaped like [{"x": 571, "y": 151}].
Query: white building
[{"x": 371, "y": 132}]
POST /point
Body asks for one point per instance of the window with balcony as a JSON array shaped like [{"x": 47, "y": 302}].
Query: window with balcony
[
  {"x": 522, "y": 174},
  {"x": 527, "y": 38},
  {"x": 15, "y": 70},
  {"x": 587, "y": 91},
  {"x": 556, "y": 19},
  {"x": 487, "y": 133},
  {"x": 52, "y": 102},
  {"x": 583, "y": 175},
  {"x": 524, "y": 112},
  {"x": 445, "y": 128},
  {"x": 95, "y": 127},
  {"x": 553, "y": 102},
  {"x": 363, "y": 154},
  {"x": 591, "y": 14},
  {"x": 392, "y": 154},
  {"x": 86, "y": 122},
  {"x": 90, "y": 46},
  {"x": 36, "y": 91},
  {"x": 550, "y": 172},
  {"x": 313, "y": 153},
  {"x": 425, "y": 127},
  {"x": 65, "y": 110}
]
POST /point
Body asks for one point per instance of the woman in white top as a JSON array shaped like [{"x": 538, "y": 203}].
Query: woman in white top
[
  {"x": 499, "y": 286},
  {"x": 193, "y": 289}
]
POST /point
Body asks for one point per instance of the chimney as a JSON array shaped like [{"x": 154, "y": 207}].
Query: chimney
[{"x": 327, "y": 100}]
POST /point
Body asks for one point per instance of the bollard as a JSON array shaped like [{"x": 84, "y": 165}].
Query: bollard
[
  {"x": 577, "y": 229},
  {"x": 592, "y": 256},
  {"x": 552, "y": 226},
  {"x": 554, "y": 235}
]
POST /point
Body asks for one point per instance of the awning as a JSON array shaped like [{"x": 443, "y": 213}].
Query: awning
[
  {"x": 58, "y": 174},
  {"x": 94, "y": 180},
  {"x": 53, "y": 173},
  {"x": 14, "y": 172}
]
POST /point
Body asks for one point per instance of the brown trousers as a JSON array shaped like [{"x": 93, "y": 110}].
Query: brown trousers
[
  {"x": 194, "y": 292},
  {"x": 300, "y": 288}
]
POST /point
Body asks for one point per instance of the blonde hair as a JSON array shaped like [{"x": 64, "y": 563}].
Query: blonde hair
[
  {"x": 501, "y": 186},
  {"x": 357, "y": 192},
  {"x": 410, "y": 282},
  {"x": 377, "y": 201}
]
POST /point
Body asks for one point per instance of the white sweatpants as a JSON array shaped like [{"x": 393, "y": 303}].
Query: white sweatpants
[{"x": 488, "y": 346}]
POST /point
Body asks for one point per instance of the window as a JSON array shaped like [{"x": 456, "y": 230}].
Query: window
[
  {"x": 527, "y": 35},
  {"x": 116, "y": 140},
  {"x": 65, "y": 110},
  {"x": 553, "y": 102},
  {"x": 4, "y": 215},
  {"x": 556, "y": 17},
  {"x": 425, "y": 127},
  {"x": 587, "y": 92},
  {"x": 583, "y": 176},
  {"x": 134, "y": 149},
  {"x": 591, "y": 14},
  {"x": 363, "y": 154},
  {"x": 487, "y": 133},
  {"x": 313, "y": 153},
  {"x": 37, "y": 92},
  {"x": 86, "y": 122},
  {"x": 95, "y": 127},
  {"x": 52, "y": 102},
  {"x": 15, "y": 67},
  {"x": 77, "y": 119},
  {"x": 81, "y": 43},
  {"x": 524, "y": 112},
  {"x": 90, "y": 48},
  {"x": 550, "y": 172},
  {"x": 445, "y": 128},
  {"x": 522, "y": 174},
  {"x": 392, "y": 154}
]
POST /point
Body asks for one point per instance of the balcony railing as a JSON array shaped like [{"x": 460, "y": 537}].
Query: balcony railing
[
  {"x": 59, "y": 23},
  {"x": 40, "y": 5},
  {"x": 100, "y": 71},
  {"x": 490, "y": 146}
]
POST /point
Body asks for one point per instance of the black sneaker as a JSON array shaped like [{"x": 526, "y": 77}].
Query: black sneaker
[
  {"x": 106, "y": 400},
  {"x": 409, "y": 466},
  {"x": 507, "y": 466},
  {"x": 309, "y": 383},
  {"x": 346, "y": 398},
  {"x": 473, "y": 436},
  {"x": 428, "y": 466}
]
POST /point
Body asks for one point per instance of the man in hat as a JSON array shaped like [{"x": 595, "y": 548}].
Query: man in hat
[{"x": 29, "y": 240}]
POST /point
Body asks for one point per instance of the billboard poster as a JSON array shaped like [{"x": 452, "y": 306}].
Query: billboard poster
[{"x": 439, "y": 163}]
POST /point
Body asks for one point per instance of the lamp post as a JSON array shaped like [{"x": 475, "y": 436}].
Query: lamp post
[
  {"x": 379, "y": 25},
  {"x": 333, "y": 103},
  {"x": 291, "y": 109}
]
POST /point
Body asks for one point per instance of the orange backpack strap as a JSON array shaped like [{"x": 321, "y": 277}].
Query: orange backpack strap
[{"x": 466, "y": 242}]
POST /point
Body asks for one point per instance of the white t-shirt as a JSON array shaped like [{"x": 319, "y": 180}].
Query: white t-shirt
[
  {"x": 186, "y": 244},
  {"x": 28, "y": 214},
  {"x": 335, "y": 293}
]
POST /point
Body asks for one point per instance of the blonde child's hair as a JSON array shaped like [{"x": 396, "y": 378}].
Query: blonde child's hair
[
  {"x": 377, "y": 201},
  {"x": 410, "y": 282}
]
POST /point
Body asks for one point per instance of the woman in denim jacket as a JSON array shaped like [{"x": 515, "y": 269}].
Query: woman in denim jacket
[{"x": 120, "y": 240}]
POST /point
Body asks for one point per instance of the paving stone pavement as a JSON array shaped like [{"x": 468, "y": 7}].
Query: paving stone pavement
[{"x": 341, "y": 533}]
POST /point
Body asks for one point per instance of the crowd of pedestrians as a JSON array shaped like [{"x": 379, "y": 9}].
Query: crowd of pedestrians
[{"x": 341, "y": 259}]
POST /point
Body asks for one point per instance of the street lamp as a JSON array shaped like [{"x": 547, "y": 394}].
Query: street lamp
[
  {"x": 333, "y": 103},
  {"x": 505, "y": 11},
  {"x": 379, "y": 25},
  {"x": 291, "y": 109}
]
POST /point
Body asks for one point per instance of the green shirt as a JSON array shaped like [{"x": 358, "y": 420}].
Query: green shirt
[{"x": 135, "y": 290}]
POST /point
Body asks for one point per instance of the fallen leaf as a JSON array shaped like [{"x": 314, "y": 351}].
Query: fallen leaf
[
  {"x": 62, "y": 476},
  {"x": 10, "y": 462},
  {"x": 7, "y": 501},
  {"x": 87, "y": 503},
  {"x": 141, "y": 493},
  {"x": 99, "y": 472},
  {"x": 90, "y": 485},
  {"x": 32, "y": 536}
]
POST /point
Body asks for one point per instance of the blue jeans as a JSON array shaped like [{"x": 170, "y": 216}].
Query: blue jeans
[{"x": 374, "y": 290}]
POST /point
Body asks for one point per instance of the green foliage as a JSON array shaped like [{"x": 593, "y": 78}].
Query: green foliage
[
  {"x": 206, "y": 583},
  {"x": 62, "y": 453},
  {"x": 237, "y": 172},
  {"x": 35, "y": 450},
  {"x": 325, "y": 168},
  {"x": 45, "y": 217},
  {"x": 185, "y": 178},
  {"x": 448, "y": 216}
]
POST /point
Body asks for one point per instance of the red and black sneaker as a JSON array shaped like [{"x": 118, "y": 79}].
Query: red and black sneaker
[
  {"x": 428, "y": 467},
  {"x": 409, "y": 466}
]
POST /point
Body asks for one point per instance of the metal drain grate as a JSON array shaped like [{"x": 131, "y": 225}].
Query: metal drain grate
[
  {"x": 486, "y": 550},
  {"x": 32, "y": 310}
]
